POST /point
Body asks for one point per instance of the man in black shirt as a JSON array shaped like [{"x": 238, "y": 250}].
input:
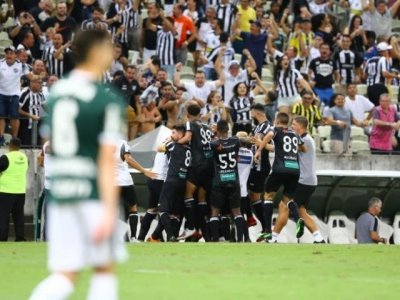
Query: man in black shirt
[
  {"x": 226, "y": 187},
  {"x": 61, "y": 22},
  {"x": 174, "y": 187},
  {"x": 323, "y": 73},
  {"x": 149, "y": 37},
  {"x": 130, "y": 88},
  {"x": 200, "y": 171},
  {"x": 285, "y": 172}
]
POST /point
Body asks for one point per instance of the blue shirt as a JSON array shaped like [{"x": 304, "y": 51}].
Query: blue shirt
[{"x": 256, "y": 45}]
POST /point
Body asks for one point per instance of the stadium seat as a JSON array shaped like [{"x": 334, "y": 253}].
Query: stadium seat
[
  {"x": 9, "y": 23},
  {"x": 133, "y": 56},
  {"x": 394, "y": 93},
  {"x": 268, "y": 84},
  {"x": 3, "y": 35},
  {"x": 190, "y": 60},
  {"x": 238, "y": 57},
  {"x": 358, "y": 146},
  {"x": 357, "y": 134},
  {"x": 362, "y": 89},
  {"x": 323, "y": 141},
  {"x": 259, "y": 99},
  {"x": 385, "y": 230},
  {"x": 341, "y": 229},
  {"x": 266, "y": 74},
  {"x": 396, "y": 229},
  {"x": 7, "y": 138}
]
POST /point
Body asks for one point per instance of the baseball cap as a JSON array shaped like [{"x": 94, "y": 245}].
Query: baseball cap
[
  {"x": 255, "y": 22},
  {"x": 233, "y": 63},
  {"x": 9, "y": 48},
  {"x": 383, "y": 46}
]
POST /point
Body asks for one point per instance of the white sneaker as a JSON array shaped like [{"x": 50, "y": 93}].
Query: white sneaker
[
  {"x": 134, "y": 240},
  {"x": 186, "y": 234}
]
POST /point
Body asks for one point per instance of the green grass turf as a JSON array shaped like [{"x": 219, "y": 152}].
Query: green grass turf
[{"x": 226, "y": 271}]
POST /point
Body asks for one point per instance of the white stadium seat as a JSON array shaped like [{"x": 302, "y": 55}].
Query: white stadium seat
[
  {"x": 396, "y": 229},
  {"x": 385, "y": 230},
  {"x": 341, "y": 229},
  {"x": 362, "y": 89}
]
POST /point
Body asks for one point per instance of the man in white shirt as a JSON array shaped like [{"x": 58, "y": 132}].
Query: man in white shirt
[
  {"x": 381, "y": 16},
  {"x": 11, "y": 71},
  {"x": 358, "y": 104},
  {"x": 200, "y": 88}
]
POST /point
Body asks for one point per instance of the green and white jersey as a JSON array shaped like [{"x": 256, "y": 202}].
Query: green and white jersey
[{"x": 83, "y": 114}]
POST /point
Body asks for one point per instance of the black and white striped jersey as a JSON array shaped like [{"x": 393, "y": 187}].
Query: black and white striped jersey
[
  {"x": 54, "y": 66},
  {"x": 260, "y": 131},
  {"x": 374, "y": 68},
  {"x": 31, "y": 103},
  {"x": 286, "y": 82},
  {"x": 88, "y": 24},
  {"x": 128, "y": 18},
  {"x": 227, "y": 13},
  {"x": 241, "y": 107},
  {"x": 215, "y": 114},
  {"x": 165, "y": 47},
  {"x": 346, "y": 62}
]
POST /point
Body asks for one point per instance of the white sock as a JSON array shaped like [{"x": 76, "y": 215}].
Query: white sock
[
  {"x": 274, "y": 237},
  {"x": 54, "y": 287},
  {"x": 317, "y": 236},
  {"x": 103, "y": 286}
]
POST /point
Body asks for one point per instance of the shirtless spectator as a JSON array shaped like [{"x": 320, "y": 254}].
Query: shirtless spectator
[{"x": 151, "y": 116}]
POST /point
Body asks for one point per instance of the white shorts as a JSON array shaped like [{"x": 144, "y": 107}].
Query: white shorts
[
  {"x": 288, "y": 101},
  {"x": 70, "y": 246}
]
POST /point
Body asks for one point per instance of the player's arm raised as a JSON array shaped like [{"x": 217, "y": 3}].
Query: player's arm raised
[
  {"x": 134, "y": 164},
  {"x": 265, "y": 141}
]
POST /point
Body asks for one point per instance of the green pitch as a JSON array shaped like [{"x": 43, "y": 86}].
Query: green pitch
[{"x": 226, "y": 271}]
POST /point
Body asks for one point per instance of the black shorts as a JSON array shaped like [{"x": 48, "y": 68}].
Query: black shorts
[
  {"x": 201, "y": 176},
  {"x": 223, "y": 196},
  {"x": 303, "y": 194},
  {"x": 171, "y": 197},
  {"x": 155, "y": 187},
  {"x": 256, "y": 181},
  {"x": 128, "y": 196},
  {"x": 276, "y": 180}
]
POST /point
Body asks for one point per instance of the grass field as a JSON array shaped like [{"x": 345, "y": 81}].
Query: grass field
[{"x": 226, "y": 271}]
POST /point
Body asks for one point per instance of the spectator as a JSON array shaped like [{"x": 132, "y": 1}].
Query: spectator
[
  {"x": 170, "y": 103},
  {"x": 308, "y": 109},
  {"x": 96, "y": 21},
  {"x": 50, "y": 82},
  {"x": 184, "y": 27},
  {"x": 245, "y": 14},
  {"x": 11, "y": 71},
  {"x": 320, "y": 6},
  {"x": 25, "y": 23},
  {"x": 119, "y": 62},
  {"x": 31, "y": 104},
  {"x": 13, "y": 168},
  {"x": 27, "y": 44},
  {"x": 240, "y": 106},
  {"x": 38, "y": 68},
  {"x": 227, "y": 12},
  {"x": 9, "y": 13},
  {"x": 54, "y": 56},
  {"x": 211, "y": 41},
  {"x": 214, "y": 110},
  {"x": 61, "y": 22},
  {"x": 367, "y": 223},
  {"x": 357, "y": 34},
  {"x": 358, "y": 105},
  {"x": 42, "y": 11},
  {"x": 381, "y": 16},
  {"x": 149, "y": 36},
  {"x": 385, "y": 122},
  {"x": 129, "y": 87},
  {"x": 200, "y": 88},
  {"x": 322, "y": 74},
  {"x": 340, "y": 119},
  {"x": 151, "y": 116}
]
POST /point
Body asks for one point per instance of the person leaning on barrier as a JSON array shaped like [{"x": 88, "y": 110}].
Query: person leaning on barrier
[
  {"x": 13, "y": 168},
  {"x": 367, "y": 224}
]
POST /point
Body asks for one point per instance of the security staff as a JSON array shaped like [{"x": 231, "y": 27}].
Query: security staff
[{"x": 13, "y": 168}]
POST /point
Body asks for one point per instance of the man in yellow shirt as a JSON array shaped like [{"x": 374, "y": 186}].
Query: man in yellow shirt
[
  {"x": 13, "y": 168},
  {"x": 245, "y": 14}
]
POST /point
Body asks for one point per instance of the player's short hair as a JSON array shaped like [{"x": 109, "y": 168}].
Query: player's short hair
[
  {"x": 84, "y": 41},
  {"x": 180, "y": 128},
  {"x": 258, "y": 107},
  {"x": 193, "y": 110},
  {"x": 302, "y": 121},
  {"x": 282, "y": 118},
  {"x": 222, "y": 126},
  {"x": 98, "y": 9},
  {"x": 374, "y": 201},
  {"x": 15, "y": 143},
  {"x": 242, "y": 134}
]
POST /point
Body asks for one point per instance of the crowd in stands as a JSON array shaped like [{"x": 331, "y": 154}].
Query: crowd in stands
[{"x": 335, "y": 62}]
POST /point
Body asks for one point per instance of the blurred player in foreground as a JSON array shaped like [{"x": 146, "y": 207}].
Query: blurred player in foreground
[{"x": 84, "y": 127}]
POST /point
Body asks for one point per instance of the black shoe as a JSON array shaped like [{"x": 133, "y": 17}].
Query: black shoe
[
  {"x": 172, "y": 239},
  {"x": 299, "y": 228},
  {"x": 321, "y": 242}
]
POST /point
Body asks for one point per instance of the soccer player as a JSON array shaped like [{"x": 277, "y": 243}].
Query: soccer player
[
  {"x": 226, "y": 186},
  {"x": 199, "y": 173},
  {"x": 125, "y": 182},
  {"x": 260, "y": 171},
  {"x": 285, "y": 172},
  {"x": 84, "y": 126},
  {"x": 173, "y": 190},
  {"x": 308, "y": 178}
]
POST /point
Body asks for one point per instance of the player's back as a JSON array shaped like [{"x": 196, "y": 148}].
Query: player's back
[
  {"x": 286, "y": 151},
  {"x": 82, "y": 115},
  {"x": 225, "y": 152},
  {"x": 200, "y": 142},
  {"x": 263, "y": 163},
  {"x": 179, "y": 160}
]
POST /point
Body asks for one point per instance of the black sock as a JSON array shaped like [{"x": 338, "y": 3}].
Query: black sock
[
  {"x": 243, "y": 206},
  {"x": 214, "y": 228},
  {"x": 259, "y": 211},
  {"x": 268, "y": 210},
  {"x": 176, "y": 226},
  {"x": 157, "y": 233},
  {"x": 239, "y": 222},
  {"x": 202, "y": 212},
  {"x": 225, "y": 228},
  {"x": 190, "y": 208},
  {"x": 246, "y": 232},
  {"x": 145, "y": 225},
  {"x": 294, "y": 210},
  {"x": 166, "y": 221},
  {"x": 133, "y": 223},
  {"x": 249, "y": 212}
]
